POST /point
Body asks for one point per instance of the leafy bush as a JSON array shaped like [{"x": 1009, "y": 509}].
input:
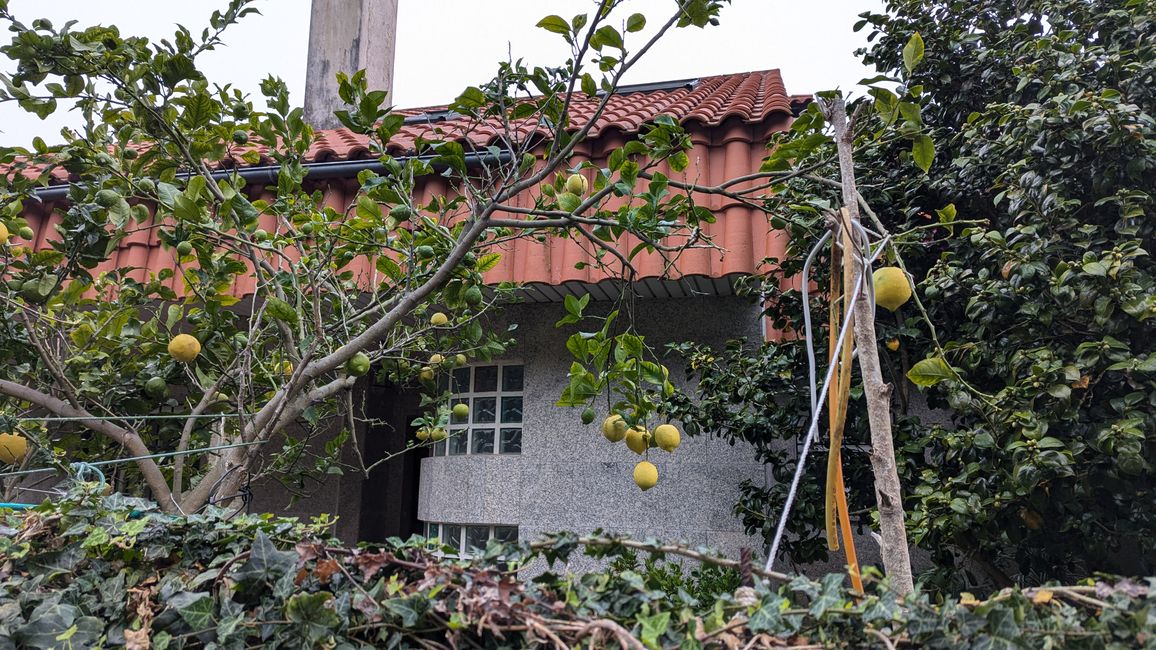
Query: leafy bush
[
  {"x": 1029, "y": 237},
  {"x": 113, "y": 571}
]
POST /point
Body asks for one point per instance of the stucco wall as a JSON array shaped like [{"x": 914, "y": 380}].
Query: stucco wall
[{"x": 568, "y": 477}]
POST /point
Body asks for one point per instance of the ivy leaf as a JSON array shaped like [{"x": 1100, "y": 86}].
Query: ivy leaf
[{"x": 930, "y": 372}]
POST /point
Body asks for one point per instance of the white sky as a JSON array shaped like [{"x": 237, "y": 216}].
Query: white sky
[{"x": 446, "y": 45}]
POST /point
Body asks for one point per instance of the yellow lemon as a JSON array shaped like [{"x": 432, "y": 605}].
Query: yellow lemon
[
  {"x": 13, "y": 448},
  {"x": 427, "y": 374},
  {"x": 645, "y": 475},
  {"x": 3, "y": 234},
  {"x": 437, "y": 435},
  {"x": 892, "y": 287},
  {"x": 287, "y": 368},
  {"x": 638, "y": 439},
  {"x": 893, "y": 344},
  {"x": 614, "y": 428},
  {"x": 423, "y": 434},
  {"x": 436, "y": 360},
  {"x": 184, "y": 347},
  {"x": 667, "y": 437},
  {"x": 439, "y": 319}
]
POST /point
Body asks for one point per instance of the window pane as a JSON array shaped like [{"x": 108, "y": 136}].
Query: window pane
[
  {"x": 455, "y": 419},
  {"x": 461, "y": 381},
  {"x": 452, "y": 535},
  {"x": 511, "y": 409},
  {"x": 458, "y": 442},
  {"x": 506, "y": 534},
  {"x": 439, "y": 448},
  {"x": 432, "y": 530},
  {"x": 483, "y": 410},
  {"x": 476, "y": 538},
  {"x": 512, "y": 378},
  {"x": 485, "y": 379},
  {"x": 483, "y": 441},
  {"x": 511, "y": 441}
]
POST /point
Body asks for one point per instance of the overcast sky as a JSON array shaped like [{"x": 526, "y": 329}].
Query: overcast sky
[{"x": 446, "y": 45}]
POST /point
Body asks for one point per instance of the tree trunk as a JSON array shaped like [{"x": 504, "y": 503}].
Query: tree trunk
[{"x": 892, "y": 528}]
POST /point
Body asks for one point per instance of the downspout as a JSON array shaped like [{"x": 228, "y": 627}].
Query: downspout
[{"x": 267, "y": 174}]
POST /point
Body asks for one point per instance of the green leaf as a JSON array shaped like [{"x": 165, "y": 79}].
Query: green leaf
[
  {"x": 635, "y": 23},
  {"x": 923, "y": 151},
  {"x": 913, "y": 52},
  {"x": 555, "y": 24},
  {"x": 930, "y": 372},
  {"x": 607, "y": 35}
]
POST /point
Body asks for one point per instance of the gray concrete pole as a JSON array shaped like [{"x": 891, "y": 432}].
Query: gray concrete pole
[{"x": 346, "y": 36}]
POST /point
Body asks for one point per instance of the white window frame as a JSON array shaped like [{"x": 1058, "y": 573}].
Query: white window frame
[
  {"x": 463, "y": 552},
  {"x": 442, "y": 448}
]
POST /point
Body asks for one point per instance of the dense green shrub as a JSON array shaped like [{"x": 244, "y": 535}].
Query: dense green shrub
[
  {"x": 111, "y": 571},
  {"x": 1029, "y": 239}
]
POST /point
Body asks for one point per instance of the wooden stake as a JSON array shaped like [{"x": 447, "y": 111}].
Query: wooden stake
[{"x": 888, "y": 495}]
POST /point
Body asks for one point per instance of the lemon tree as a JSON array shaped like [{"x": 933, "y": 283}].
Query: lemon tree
[{"x": 261, "y": 328}]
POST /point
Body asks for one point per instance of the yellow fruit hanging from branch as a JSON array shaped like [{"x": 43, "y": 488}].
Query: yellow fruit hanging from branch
[
  {"x": 614, "y": 428},
  {"x": 892, "y": 288},
  {"x": 645, "y": 475},
  {"x": 638, "y": 439},
  {"x": 13, "y": 448},
  {"x": 667, "y": 437},
  {"x": 184, "y": 348}
]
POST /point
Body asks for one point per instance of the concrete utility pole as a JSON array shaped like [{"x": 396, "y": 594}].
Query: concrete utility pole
[{"x": 346, "y": 36}]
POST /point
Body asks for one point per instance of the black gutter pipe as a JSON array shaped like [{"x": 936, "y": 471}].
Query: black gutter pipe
[{"x": 313, "y": 171}]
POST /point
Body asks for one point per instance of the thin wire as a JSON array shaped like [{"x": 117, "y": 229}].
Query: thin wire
[
  {"x": 822, "y": 398},
  {"x": 103, "y": 418},
  {"x": 131, "y": 459}
]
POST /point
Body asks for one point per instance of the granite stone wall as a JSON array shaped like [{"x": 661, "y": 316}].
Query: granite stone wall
[{"x": 568, "y": 477}]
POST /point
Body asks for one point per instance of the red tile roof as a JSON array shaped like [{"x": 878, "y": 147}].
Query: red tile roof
[{"x": 728, "y": 117}]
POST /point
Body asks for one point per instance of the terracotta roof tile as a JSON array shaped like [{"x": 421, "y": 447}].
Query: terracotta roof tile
[{"x": 728, "y": 117}]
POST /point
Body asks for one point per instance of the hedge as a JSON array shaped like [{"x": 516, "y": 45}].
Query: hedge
[{"x": 96, "y": 571}]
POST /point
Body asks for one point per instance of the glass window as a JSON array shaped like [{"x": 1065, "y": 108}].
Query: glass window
[
  {"x": 483, "y": 441},
  {"x": 485, "y": 379},
  {"x": 511, "y": 441},
  {"x": 483, "y": 410},
  {"x": 476, "y": 538},
  {"x": 452, "y": 535},
  {"x": 511, "y": 409},
  {"x": 470, "y": 539},
  {"x": 506, "y": 534},
  {"x": 512, "y": 378},
  {"x": 458, "y": 442},
  {"x": 494, "y": 395}
]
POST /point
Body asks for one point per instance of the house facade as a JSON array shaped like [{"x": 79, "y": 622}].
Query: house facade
[{"x": 520, "y": 466}]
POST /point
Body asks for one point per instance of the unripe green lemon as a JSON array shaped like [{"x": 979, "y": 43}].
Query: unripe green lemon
[
  {"x": 587, "y": 415},
  {"x": 358, "y": 364},
  {"x": 577, "y": 184},
  {"x": 461, "y": 410},
  {"x": 185, "y": 248}
]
